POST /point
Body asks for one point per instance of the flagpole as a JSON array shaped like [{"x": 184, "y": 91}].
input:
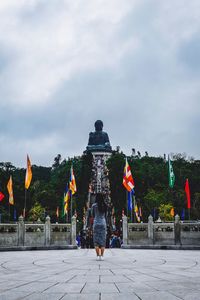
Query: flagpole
[
  {"x": 127, "y": 203},
  {"x": 134, "y": 209},
  {"x": 71, "y": 204},
  {"x": 9, "y": 210},
  {"x": 66, "y": 217},
  {"x": 189, "y": 213},
  {"x": 24, "y": 213},
  {"x": 131, "y": 208}
]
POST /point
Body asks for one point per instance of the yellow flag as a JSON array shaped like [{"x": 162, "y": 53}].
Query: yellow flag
[
  {"x": 66, "y": 202},
  {"x": 10, "y": 191},
  {"x": 28, "y": 174}
]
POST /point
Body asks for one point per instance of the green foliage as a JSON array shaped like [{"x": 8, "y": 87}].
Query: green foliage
[
  {"x": 151, "y": 182},
  {"x": 4, "y": 214},
  {"x": 196, "y": 206},
  {"x": 164, "y": 212},
  {"x": 36, "y": 212},
  {"x": 150, "y": 175}
]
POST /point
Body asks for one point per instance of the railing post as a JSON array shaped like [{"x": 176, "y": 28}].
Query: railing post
[
  {"x": 47, "y": 231},
  {"x": 125, "y": 230},
  {"x": 73, "y": 231},
  {"x": 21, "y": 231},
  {"x": 150, "y": 229},
  {"x": 177, "y": 230}
]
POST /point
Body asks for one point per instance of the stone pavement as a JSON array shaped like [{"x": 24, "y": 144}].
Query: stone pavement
[{"x": 124, "y": 274}]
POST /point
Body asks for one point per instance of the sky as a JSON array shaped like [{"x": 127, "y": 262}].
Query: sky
[{"x": 134, "y": 64}]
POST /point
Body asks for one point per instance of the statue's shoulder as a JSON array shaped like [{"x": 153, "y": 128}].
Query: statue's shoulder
[
  {"x": 91, "y": 133},
  {"x": 104, "y": 133}
]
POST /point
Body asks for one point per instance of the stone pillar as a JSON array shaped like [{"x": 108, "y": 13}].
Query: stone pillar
[
  {"x": 125, "y": 230},
  {"x": 73, "y": 231},
  {"x": 177, "y": 230},
  {"x": 21, "y": 231},
  {"x": 150, "y": 229},
  {"x": 47, "y": 231}
]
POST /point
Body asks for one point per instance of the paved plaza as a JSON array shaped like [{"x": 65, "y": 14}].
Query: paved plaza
[{"x": 124, "y": 274}]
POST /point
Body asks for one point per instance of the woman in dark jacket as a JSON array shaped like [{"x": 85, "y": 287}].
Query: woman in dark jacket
[{"x": 99, "y": 210}]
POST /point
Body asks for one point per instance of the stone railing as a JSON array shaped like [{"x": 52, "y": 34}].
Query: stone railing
[
  {"x": 8, "y": 235},
  {"x": 176, "y": 233},
  {"x": 39, "y": 234},
  {"x": 190, "y": 233},
  {"x": 138, "y": 233}
]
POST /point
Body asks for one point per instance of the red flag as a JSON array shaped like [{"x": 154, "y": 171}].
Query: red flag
[
  {"x": 128, "y": 181},
  {"x": 187, "y": 191},
  {"x": 1, "y": 196}
]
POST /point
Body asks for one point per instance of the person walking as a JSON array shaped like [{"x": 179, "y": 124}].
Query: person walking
[{"x": 99, "y": 210}]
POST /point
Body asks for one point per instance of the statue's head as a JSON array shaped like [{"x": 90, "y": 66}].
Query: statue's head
[{"x": 98, "y": 125}]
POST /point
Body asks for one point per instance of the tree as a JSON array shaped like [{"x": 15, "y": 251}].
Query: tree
[
  {"x": 36, "y": 212},
  {"x": 165, "y": 212},
  {"x": 150, "y": 176},
  {"x": 57, "y": 161}
]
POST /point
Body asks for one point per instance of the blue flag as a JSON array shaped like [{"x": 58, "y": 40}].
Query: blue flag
[
  {"x": 15, "y": 215},
  {"x": 130, "y": 199},
  {"x": 183, "y": 214}
]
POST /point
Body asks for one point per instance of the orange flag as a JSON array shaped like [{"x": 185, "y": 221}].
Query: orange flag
[
  {"x": 28, "y": 174},
  {"x": 172, "y": 212},
  {"x": 57, "y": 211},
  {"x": 10, "y": 191}
]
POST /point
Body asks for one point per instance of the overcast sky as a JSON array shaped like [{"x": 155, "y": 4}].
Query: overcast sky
[{"x": 134, "y": 64}]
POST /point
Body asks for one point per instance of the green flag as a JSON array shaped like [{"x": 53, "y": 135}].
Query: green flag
[{"x": 171, "y": 174}]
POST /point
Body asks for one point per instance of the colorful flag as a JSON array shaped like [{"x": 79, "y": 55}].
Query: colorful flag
[
  {"x": 137, "y": 212},
  {"x": 57, "y": 212},
  {"x": 128, "y": 181},
  {"x": 187, "y": 191},
  {"x": 140, "y": 212},
  {"x": 154, "y": 213},
  {"x": 172, "y": 212},
  {"x": 28, "y": 177},
  {"x": 171, "y": 174},
  {"x": 10, "y": 191},
  {"x": 72, "y": 182},
  {"x": 183, "y": 214},
  {"x": 66, "y": 202},
  {"x": 130, "y": 201},
  {"x": 15, "y": 214},
  {"x": 1, "y": 196}
]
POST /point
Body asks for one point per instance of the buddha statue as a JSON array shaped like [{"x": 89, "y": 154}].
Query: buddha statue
[{"x": 99, "y": 140}]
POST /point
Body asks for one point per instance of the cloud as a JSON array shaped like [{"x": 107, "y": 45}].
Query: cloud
[
  {"x": 55, "y": 42},
  {"x": 132, "y": 64}
]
